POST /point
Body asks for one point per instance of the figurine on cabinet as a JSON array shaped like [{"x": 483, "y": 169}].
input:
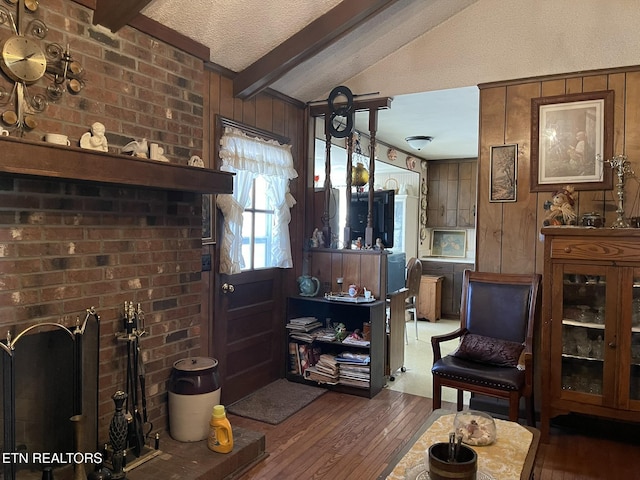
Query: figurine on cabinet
[
  {"x": 341, "y": 331},
  {"x": 560, "y": 209},
  {"x": 95, "y": 139}
]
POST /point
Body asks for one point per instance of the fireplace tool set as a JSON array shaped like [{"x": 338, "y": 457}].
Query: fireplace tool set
[{"x": 130, "y": 427}]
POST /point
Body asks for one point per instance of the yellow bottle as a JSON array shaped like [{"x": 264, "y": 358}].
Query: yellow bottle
[{"x": 220, "y": 435}]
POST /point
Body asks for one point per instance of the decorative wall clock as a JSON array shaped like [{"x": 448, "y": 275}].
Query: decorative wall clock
[{"x": 24, "y": 61}]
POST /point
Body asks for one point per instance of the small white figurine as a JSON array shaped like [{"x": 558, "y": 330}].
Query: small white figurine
[
  {"x": 137, "y": 148},
  {"x": 156, "y": 152},
  {"x": 196, "y": 161},
  {"x": 96, "y": 139}
]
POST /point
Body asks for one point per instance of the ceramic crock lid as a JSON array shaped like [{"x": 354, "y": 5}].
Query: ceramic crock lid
[{"x": 195, "y": 364}]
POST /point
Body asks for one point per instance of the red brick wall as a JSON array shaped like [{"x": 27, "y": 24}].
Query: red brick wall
[
  {"x": 138, "y": 86},
  {"x": 66, "y": 246}
]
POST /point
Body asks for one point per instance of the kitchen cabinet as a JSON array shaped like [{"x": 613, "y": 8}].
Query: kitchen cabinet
[
  {"x": 451, "y": 273},
  {"x": 590, "y": 324},
  {"x": 430, "y": 297},
  {"x": 451, "y": 198},
  {"x": 353, "y": 316}
]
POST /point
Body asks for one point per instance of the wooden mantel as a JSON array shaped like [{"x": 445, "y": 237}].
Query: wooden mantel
[{"x": 39, "y": 159}]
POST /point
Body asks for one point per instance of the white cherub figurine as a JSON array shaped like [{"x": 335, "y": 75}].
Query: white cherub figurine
[{"x": 96, "y": 139}]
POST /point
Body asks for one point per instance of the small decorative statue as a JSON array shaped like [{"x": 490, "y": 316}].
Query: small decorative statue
[
  {"x": 313, "y": 241},
  {"x": 560, "y": 209},
  {"x": 96, "y": 139},
  {"x": 196, "y": 161},
  {"x": 156, "y": 152},
  {"x": 341, "y": 331},
  {"x": 137, "y": 148}
]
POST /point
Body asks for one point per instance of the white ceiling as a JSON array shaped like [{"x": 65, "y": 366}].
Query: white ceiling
[{"x": 239, "y": 32}]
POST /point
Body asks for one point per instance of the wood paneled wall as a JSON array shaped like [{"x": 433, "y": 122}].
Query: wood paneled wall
[
  {"x": 508, "y": 234},
  {"x": 364, "y": 268}
]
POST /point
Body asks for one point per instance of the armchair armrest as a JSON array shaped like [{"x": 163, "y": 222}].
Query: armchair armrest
[
  {"x": 436, "y": 339},
  {"x": 528, "y": 367}
]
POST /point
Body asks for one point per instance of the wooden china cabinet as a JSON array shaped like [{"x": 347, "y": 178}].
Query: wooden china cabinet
[{"x": 591, "y": 324}]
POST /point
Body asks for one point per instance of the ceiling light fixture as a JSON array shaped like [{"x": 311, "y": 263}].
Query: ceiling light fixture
[{"x": 418, "y": 142}]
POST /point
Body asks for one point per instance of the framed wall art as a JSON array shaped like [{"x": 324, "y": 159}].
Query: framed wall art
[
  {"x": 448, "y": 243},
  {"x": 503, "y": 174},
  {"x": 571, "y": 136},
  {"x": 208, "y": 218}
]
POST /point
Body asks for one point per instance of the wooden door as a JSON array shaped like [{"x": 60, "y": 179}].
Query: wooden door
[{"x": 248, "y": 331}]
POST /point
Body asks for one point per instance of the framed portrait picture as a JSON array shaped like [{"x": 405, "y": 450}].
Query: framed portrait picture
[
  {"x": 208, "y": 218},
  {"x": 448, "y": 243},
  {"x": 503, "y": 174},
  {"x": 571, "y": 136}
]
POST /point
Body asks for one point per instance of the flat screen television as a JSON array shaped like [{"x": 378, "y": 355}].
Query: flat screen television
[{"x": 383, "y": 215}]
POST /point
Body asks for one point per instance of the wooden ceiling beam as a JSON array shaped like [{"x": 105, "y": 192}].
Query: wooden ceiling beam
[
  {"x": 115, "y": 14},
  {"x": 315, "y": 37},
  {"x": 382, "y": 103}
]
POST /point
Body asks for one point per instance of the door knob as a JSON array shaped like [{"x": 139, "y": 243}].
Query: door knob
[{"x": 228, "y": 288}]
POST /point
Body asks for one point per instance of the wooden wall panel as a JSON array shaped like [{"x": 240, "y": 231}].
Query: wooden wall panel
[
  {"x": 631, "y": 146},
  {"x": 264, "y": 113},
  {"x": 518, "y": 238},
  {"x": 495, "y": 250},
  {"x": 489, "y": 223},
  {"x": 249, "y": 113}
]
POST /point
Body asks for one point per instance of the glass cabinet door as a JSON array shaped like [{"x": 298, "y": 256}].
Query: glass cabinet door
[
  {"x": 634, "y": 352},
  {"x": 581, "y": 332}
]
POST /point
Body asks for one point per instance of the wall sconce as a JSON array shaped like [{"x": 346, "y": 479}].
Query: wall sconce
[
  {"x": 418, "y": 142},
  {"x": 63, "y": 69}
]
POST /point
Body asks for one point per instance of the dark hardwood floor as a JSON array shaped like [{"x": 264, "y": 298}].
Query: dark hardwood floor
[{"x": 341, "y": 436}]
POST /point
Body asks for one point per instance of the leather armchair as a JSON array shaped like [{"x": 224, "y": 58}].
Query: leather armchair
[{"x": 495, "y": 356}]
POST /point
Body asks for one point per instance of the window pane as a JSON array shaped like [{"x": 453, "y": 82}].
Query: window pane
[
  {"x": 261, "y": 194},
  {"x": 263, "y": 224},
  {"x": 247, "y": 240},
  {"x": 260, "y": 252}
]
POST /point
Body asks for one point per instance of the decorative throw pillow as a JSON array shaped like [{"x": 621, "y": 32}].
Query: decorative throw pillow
[{"x": 493, "y": 351}]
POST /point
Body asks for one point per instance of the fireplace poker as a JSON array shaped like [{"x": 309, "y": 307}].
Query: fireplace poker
[
  {"x": 138, "y": 434},
  {"x": 143, "y": 393}
]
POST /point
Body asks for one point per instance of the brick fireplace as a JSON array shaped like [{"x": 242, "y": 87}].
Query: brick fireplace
[
  {"x": 67, "y": 246},
  {"x": 81, "y": 228}
]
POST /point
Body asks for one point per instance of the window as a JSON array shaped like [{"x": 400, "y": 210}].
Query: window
[
  {"x": 256, "y": 215},
  {"x": 257, "y": 228}
]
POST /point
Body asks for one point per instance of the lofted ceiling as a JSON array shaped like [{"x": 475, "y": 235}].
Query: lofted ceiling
[{"x": 260, "y": 40}]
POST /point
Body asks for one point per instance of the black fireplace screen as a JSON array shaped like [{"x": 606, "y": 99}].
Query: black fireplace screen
[{"x": 49, "y": 374}]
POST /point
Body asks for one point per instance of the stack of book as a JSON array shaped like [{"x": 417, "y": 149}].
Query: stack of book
[
  {"x": 303, "y": 324},
  {"x": 301, "y": 357},
  {"x": 354, "y": 369},
  {"x": 325, "y": 371},
  {"x": 324, "y": 334}
]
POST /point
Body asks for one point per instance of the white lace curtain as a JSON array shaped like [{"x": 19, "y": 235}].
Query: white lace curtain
[{"x": 249, "y": 157}]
